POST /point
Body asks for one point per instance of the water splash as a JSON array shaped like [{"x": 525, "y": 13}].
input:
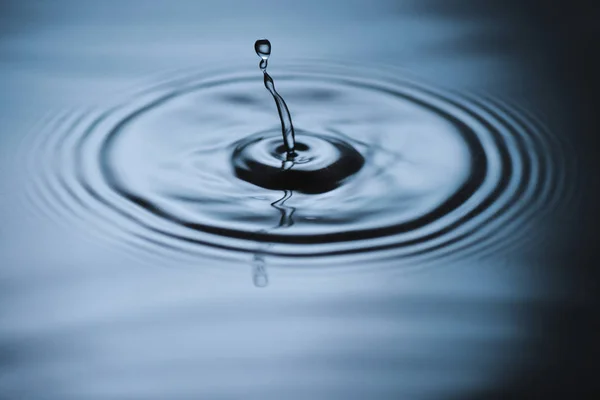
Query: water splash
[{"x": 263, "y": 49}]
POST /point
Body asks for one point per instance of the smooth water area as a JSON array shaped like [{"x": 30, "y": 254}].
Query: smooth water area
[{"x": 166, "y": 234}]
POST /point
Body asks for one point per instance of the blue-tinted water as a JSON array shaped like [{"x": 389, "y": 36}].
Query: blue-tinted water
[{"x": 135, "y": 264}]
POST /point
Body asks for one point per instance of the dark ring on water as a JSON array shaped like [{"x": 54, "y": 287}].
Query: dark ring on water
[{"x": 304, "y": 178}]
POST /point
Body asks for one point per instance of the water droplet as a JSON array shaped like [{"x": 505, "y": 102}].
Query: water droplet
[{"x": 263, "y": 48}]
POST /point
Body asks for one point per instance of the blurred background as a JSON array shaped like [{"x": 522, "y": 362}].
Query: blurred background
[{"x": 81, "y": 320}]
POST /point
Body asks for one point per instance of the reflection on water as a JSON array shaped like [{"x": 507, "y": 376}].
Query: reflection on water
[
  {"x": 110, "y": 332},
  {"x": 86, "y": 317}
]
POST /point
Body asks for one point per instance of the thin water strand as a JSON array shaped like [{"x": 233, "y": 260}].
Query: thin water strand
[{"x": 263, "y": 49}]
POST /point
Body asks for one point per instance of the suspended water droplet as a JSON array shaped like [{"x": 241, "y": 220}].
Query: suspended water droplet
[{"x": 263, "y": 48}]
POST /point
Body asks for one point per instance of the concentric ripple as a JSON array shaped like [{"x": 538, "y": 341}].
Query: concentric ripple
[
  {"x": 321, "y": 163},
  {"x": 427, "y": 173}
]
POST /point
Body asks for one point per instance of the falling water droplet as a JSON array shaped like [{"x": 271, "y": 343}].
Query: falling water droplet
[{"x": 263, "y": 49}]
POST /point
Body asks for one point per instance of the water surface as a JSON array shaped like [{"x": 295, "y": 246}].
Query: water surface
[{"x": 135, "y": 265}]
